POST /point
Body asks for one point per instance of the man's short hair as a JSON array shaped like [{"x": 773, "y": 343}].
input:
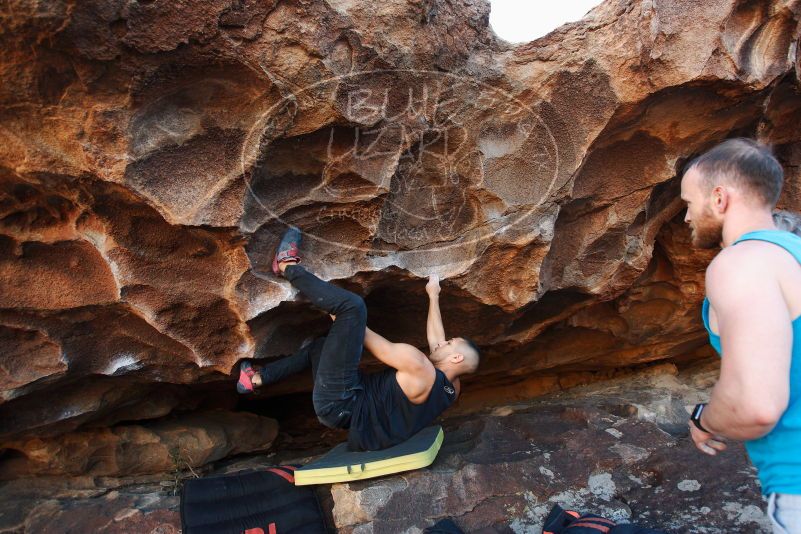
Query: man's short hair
[
  {"x": 472, "y": 345},
  {"x": 743, "y": 162}
]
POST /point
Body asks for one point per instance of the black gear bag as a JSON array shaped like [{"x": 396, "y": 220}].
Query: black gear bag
[{"x": 251, "y": 502}]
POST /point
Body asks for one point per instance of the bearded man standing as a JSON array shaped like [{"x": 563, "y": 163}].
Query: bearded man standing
[{"x": 753, "y": 315}]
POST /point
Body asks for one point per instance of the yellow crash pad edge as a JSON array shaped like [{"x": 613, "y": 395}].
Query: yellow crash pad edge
[{"x": 389, "y": 466}]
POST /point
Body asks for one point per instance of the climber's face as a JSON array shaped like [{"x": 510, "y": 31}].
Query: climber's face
[
  {"x": 443, "y": 349},
  {"x": 456, "y": 352},
  {"x": 705, "y": 222}
]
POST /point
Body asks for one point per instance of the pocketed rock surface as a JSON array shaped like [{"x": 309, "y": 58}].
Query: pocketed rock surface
[
  {"x": 620, "y": 449},
  {"x": 152, "y": 152}
]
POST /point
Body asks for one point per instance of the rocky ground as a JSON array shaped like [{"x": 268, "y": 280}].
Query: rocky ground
[{"x": 618, "y": 448}]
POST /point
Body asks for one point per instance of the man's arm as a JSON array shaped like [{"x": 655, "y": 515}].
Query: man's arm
[
  {"x": 435, "y": 332},
  {"x": 403, "y": 357},
  {"x": 756, "y": 338}
]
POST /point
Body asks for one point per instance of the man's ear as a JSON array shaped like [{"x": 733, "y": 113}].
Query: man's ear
[
  {"x": 720, "y": 199},
  {"x": 457, "y": 357}
]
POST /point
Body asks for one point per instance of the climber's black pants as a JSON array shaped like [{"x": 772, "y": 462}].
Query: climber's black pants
[{"x": 335, "y": 358}]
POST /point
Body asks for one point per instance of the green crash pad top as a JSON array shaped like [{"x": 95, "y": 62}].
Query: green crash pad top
[{"x": 342, "y": 465}]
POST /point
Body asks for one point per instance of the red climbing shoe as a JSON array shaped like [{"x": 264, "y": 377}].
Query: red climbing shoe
[
  {"x": 246, "y": 372},
  {"x": 287, "y": 248}
]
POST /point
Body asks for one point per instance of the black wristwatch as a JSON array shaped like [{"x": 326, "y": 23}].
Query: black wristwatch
[{"x": 696, "y": 416}]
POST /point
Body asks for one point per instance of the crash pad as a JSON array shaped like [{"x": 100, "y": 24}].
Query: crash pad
[{"x": 343, "y": 465}]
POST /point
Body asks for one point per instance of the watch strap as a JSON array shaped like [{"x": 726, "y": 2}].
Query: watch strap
[{"x": 696, "y": 416}]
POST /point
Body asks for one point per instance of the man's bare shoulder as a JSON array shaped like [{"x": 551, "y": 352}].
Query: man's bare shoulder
[
  {"x": 411, "y": 349},
  {"x": 742, "y": 257},
  {"x": 743, "y": 269},
  {"x": 416, "y": 380},
  {"x": 748, "y": 259},
  {"x": 413, "y": 353}
]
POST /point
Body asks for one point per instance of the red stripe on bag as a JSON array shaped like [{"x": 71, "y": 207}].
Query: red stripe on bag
[
  {"x": 283, "y": 474},
  {"x": 289, "y": 467},
  {"x": 257, "y": 530}
]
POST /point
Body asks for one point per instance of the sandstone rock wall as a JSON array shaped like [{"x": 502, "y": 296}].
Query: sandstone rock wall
[{"x": 151, "y": 153}]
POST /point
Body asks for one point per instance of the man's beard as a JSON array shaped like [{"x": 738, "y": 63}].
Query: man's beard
[{"x": 707, "y": 232}]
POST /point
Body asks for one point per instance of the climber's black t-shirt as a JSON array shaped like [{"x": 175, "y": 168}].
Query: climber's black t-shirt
[{"x": 383, "y": 416}]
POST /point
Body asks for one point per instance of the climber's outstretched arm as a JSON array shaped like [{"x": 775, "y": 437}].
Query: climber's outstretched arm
[{"x": 435, "y": 331}]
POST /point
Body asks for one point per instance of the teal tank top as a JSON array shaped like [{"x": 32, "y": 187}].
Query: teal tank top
[{"x": 777, "y": 455}]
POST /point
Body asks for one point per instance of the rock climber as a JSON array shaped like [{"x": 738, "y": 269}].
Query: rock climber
[{"x": 379, "y": 409}]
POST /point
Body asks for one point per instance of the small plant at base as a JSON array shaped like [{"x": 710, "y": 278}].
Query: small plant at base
[{"x": 181, "y": 470}]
